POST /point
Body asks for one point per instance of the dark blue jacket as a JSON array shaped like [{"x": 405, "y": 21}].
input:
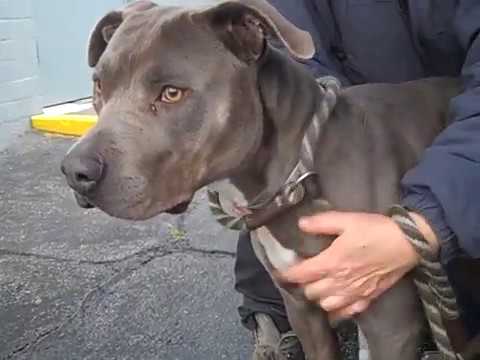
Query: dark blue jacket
[{"x": 363, "y": 41}]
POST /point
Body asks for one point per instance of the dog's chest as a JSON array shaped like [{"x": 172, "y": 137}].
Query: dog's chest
[
  {"x": 231, "y": 199},
  {"x": 279, "y": 257}
]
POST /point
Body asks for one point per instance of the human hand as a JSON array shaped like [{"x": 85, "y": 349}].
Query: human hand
[{"x": 368, "y": 257}]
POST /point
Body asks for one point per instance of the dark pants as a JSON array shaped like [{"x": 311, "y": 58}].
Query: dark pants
[
  {"x": 261, "y": 295},
  {"x": 254, "y": 283}
]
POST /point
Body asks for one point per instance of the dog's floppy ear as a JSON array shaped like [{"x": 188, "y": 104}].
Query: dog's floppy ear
[
  {"x": 101, "y": 35},
  {"x": 244, "y": 25},
  {"x": 105, "y": 28}
]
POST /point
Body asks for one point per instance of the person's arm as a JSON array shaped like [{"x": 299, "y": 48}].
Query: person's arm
[
  {"x": 445, "y": 186},
  {"x": 304, "y": 14}
]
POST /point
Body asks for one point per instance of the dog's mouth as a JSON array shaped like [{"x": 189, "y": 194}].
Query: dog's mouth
[
  {"x": 82, "y": 201},
  {"x": 180, "y": 208}
]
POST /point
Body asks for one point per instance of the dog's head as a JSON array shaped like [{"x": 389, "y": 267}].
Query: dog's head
[{"x": 177, "y": 97}]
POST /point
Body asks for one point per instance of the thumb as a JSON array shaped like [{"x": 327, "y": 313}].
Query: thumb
[{"x": 326, "y": 223}]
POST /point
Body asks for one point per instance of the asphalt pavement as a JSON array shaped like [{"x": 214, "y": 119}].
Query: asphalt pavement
[{"x": 77, "y": 284}]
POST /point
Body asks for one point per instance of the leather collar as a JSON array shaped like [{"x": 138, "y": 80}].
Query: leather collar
[{"x": 299, "y": 185}]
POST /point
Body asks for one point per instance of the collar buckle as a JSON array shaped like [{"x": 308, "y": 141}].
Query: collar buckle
[{"x": 294, "y": 192}]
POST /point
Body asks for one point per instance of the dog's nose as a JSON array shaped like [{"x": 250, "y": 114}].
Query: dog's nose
[{"x": 83, "y": 173}]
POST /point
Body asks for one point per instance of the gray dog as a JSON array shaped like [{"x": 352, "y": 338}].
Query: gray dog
[{"x": 191, "y": 98}]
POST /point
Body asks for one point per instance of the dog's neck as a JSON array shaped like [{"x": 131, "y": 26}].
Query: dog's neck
[{"x": 290, "y": 98}]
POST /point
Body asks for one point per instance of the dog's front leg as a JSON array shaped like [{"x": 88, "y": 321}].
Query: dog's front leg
[
  {"x": 393, "y": 324},
  {"x": 309, "y": 322}
]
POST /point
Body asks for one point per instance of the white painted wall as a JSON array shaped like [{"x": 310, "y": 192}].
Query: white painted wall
[{"x": 18, "y": 68}]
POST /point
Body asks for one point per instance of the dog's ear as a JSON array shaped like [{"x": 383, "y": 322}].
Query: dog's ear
[
  {"x": 106, "y": 27},
  {"x": 245, "y": 25},
  {"x": 101, "y": 35}
]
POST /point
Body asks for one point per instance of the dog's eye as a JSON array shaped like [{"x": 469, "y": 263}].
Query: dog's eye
[{"x": 171, "y": 95}]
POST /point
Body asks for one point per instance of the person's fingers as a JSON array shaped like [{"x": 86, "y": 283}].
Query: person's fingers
[
  {"x": 320, "y": 289},
  {"x": 349, "y": 311},
  {"x": 327, "y": 223},
  {"x": 316, "y": 267},
  {"x": 309, "y": 270},
  {"x": 335, "y": 303}
]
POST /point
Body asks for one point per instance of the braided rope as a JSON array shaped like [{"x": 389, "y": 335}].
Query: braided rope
[
  {"x": 436, "y": 294},
  {"x": 229, "y": 221}
]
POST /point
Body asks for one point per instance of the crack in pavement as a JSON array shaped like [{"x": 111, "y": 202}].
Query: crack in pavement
[
  {"x": 143, "y": 252},
  {"x": 219, "y": 253},
  {"x": 148, "y": 255}
]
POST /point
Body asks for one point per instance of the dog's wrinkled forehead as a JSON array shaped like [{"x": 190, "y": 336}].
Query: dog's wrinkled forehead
[
  {"x": 163, "y": 42},
  {"x": 140, "y": 29},
  {"x": 140, "y": 33},
  {"x": 242, "y": 27}
]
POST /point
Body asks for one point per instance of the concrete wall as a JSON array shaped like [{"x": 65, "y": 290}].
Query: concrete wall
[{"x": 18, "y": 67}]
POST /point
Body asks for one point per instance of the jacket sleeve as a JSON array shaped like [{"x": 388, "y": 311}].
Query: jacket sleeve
[
  {"x": 445, "y": 186},
  {"x": 305, "y": 15}
]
